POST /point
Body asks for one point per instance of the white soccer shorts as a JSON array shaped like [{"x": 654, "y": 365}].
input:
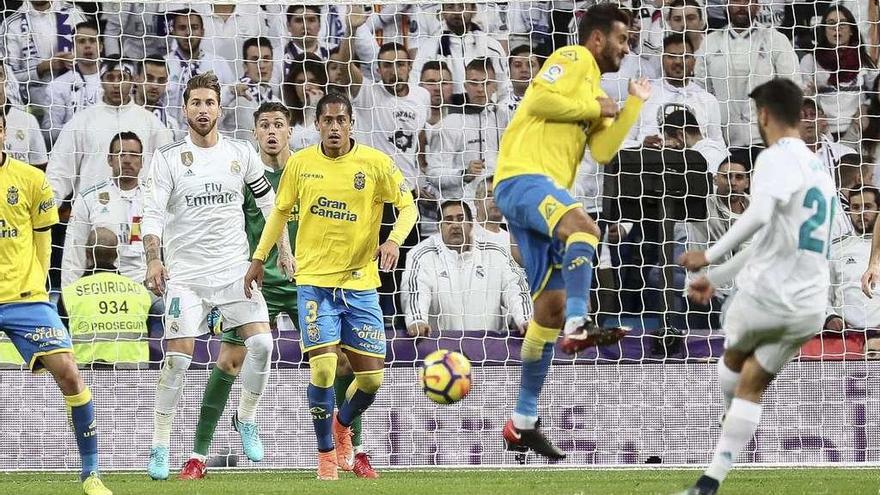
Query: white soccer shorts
[
  {"x": 774, "y": 339},
  {"x": 188, "y": 303}
]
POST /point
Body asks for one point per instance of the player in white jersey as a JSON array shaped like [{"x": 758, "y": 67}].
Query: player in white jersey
[
  {"x": 193, "y": 209},
  {"x": 782, "y": 277}
]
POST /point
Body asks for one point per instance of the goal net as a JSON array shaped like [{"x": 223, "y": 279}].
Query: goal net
[{"x": 435, "y": 86}]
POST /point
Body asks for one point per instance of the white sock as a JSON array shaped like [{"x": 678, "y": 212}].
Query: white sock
[
  {"x": 254, "y": 374},
  {"x": 727, "y": 379},
  {"x": 739, "y": 427},
  {"x": 523, "y": 422},
  {"x": 169, "y": 388}
]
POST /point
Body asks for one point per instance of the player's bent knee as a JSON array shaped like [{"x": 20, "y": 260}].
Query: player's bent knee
[
  {"x": 576, "y": 220},
  {"x": 369, "y": 381},
  {"x": 261, "y": 343},
  {"x": 231, "y": 358},
  {"x": 323, "y": 369}
]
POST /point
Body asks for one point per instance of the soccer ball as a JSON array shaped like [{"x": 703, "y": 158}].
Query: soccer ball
[{"x": 445, "y": 376}]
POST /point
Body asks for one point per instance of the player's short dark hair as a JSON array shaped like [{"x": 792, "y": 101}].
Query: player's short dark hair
[
  {"x": 524, "y": 50},
  {"x": 481, "y": 64},
  {"x": 207, "y": 80},
  {"x": 862, "y": 189},
  {"x": 89, "y": 24},
  {"x": 678, "y": 39},
  {"x": 782, "y": 98},
  {"x": 453, "y": 202},
  {"x": 601, "y": 17},
  {"x": 125, "y": 136},
  {"x": 291, "y": 10},
  {"x": 334, "y": 98},
  {"x": 258, "y": 42},
  {"x": 272, "y": 106},
  {"x": 681, "y": 119},
  {"x": 677, "y": 4},
  {"x": 437, "y": 65},
  {"x": 392, "y": 46}
]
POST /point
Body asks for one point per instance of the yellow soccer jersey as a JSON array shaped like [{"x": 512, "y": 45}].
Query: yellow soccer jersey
[
  {"x": 558, "y": 115},
  {"x": 26, "y": 204},
  {"x": 340, "y": 210}
]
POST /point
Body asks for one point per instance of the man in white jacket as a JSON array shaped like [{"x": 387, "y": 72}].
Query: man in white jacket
[
  {"x": 79, "y": 158},
  {"x": 453, "y": 282},
  {"x": 116, "y": 203}
]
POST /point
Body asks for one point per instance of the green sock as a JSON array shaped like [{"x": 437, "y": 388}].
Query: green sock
[
  {"x": 341, "y": 385},
  {"x": 213, "y": 404}
]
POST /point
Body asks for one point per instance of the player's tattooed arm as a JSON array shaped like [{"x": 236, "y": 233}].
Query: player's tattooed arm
[{"x": 153, "y": 247}]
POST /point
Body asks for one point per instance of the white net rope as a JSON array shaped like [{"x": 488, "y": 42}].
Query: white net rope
[{"x": 77, "y": 74}]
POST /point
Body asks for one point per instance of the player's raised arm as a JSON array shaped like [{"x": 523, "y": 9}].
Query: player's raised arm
[
  {"x": 396, "y": 191},
  {"x": 156, "y": 195},
  {"x": 559, "y": 93},
  {"x": 605, "y": 142}
]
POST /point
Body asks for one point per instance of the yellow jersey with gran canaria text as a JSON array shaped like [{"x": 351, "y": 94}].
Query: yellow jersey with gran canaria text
[
  {"x": 558, "y": 116},
  {"x": 27, "y": 203},
  {"x": 340, "y": 204}
]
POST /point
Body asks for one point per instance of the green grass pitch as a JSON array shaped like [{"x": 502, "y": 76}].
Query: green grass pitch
[{"x": 470, "y": 482}]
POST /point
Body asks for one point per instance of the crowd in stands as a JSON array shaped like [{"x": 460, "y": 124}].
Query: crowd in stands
[{"x": 92, "y": 89}]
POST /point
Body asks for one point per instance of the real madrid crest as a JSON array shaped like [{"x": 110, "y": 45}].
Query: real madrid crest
[
  {"x": 12, "y": 195},
  {"x": 104, "y": 197},
  {"x": 187, "y": 158},
  {"x": 19, "y": 134},
  {"x": 360, "y": 180},
  {"x": 234, "y": 167}
]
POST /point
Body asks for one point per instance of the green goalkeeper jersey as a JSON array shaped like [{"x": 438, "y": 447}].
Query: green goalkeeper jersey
[{"x": 280, "y": 294}]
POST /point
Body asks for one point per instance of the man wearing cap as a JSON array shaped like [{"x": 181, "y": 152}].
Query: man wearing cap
[{"x": 79, "y": 158}]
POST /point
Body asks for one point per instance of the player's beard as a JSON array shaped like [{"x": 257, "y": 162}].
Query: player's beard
[{"x": 195, "y": 127}]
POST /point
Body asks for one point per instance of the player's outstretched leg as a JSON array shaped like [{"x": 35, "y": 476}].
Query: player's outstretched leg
[
  {"x": 254, "y": 378},
  {"x": 320, "y": 396},
  {"x": 739, "y": 426},
  {"x": 169, "y": 388},
  {"x": 81, "y": 412},
  {"x": 581, "y": 237},
  {"x": 359, "y": 397},
  {"x": 523, "y": 431}
]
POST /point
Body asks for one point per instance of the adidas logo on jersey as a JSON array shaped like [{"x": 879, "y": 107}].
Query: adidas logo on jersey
[
  {"x": 189, "y": 173},
  {"x": 851, "y": 261}
]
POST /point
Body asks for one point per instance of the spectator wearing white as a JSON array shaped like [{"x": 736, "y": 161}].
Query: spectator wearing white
[
  {"x": 38, "y": 44},
  {"x": 677, "y": 91},
  {"x": 303, "y": 35},
  {"x": 474, "y": 130},
  {"x": 400, "y": 23},
  {"x": 531, "y": 22},
  {"x": 258, "y": 89},
  {"x": 134, "y": 30},
  {"x": 116, "y": 203},
  {"x": 460, "y": 43},
  {"x": 686, "y": 17},
  {"x": 24, "y": 139},
  {"x": 390, "y": 114},
  {"x": 151, "y": 91},
  {"x": 436, "y": 153},
  {"x": 79, "y": 158},
  {"x": 455, "y": 282},
  {"x": 337, "y": 27},
  {"x": 724, "y": 206},
  {"x": 489, "y": 223},
  {"x": 78, "y": 88},
  {"x": 739, "y": 58},
  {"x": 848, "y": 306},
  {"x": 188, "y": 58},
  {"x": 229, "y": 25},
  {"x": 838, "y": 69},
  {"x": 304, "y": 86},
  {"x": 681, "y": 131},
  {"x": 524, "y": 66}
]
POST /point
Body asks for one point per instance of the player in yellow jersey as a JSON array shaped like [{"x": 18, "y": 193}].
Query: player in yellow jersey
[
  {"x": 27, "y": 213},
  {"x": 340, "y": 187},
  {"x": 563, "y": 110}
]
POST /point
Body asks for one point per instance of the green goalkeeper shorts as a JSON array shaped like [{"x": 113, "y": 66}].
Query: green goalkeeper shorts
[{"x": 230, "y": 336}]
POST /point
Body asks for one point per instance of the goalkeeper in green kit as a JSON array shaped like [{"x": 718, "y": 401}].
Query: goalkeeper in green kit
[{"x": 272, "y": 131}]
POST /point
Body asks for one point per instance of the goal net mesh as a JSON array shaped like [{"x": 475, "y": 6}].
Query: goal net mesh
[{"x": 76, "y": 75}]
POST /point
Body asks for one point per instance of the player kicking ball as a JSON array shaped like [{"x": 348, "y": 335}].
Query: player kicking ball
[
  {"x": 340, "y": 187},
  {"x": 782, "y": 276},
  {"x": 272, "y": 132},
  {"x": 31, "y": 322},
  {"x": 563, "y": 110},
  {"x": 193, "y": 203}
]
